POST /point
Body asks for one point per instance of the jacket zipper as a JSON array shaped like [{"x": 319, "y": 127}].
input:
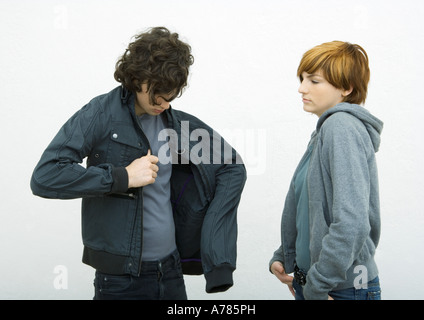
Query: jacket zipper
[
  {"x": 142, "y": 200},
  {"x": 142, "y": 233},
  {"x": 135, "y": 119},
  {"x": 126, "y": 195}
]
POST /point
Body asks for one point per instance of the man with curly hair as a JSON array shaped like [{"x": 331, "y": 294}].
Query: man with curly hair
[{"x": 147, "y": 220}]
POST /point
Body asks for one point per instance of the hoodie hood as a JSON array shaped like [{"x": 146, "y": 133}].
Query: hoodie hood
[{"x": 373, "y": 125}]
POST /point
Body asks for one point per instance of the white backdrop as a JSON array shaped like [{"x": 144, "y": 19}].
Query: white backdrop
[{"x": 57, "y": 55}]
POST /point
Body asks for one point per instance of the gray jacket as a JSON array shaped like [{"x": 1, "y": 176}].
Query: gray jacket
[{"x": 344, "y": 210}]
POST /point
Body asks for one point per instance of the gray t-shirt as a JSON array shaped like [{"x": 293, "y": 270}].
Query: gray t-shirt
[{"x": 158, "y": 221}]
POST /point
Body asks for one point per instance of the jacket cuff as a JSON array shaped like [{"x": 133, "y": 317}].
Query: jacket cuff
[
  {"x": 220, "y": 279},
  {"x": 120, "y": 179}
]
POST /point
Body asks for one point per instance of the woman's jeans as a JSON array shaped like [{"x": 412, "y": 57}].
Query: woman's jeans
[
  {"x": 158, "y": 280},
  {"x": 373, "y": 292}
]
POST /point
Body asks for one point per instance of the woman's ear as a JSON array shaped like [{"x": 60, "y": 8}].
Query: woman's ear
[{"x": 345, "y": 93}]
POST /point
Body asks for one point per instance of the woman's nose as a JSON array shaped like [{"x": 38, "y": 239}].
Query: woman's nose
[{"x": 302, "y": 88}]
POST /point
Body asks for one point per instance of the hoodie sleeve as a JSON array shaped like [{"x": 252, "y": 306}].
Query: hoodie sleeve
[
  {"x": 286, "y": 253},
  {"x": 59, "y": 173},
  {"x": 344, "y": 157}
]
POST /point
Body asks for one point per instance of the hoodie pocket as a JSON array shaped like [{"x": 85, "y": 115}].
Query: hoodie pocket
[{"x": 318, "y": 224}]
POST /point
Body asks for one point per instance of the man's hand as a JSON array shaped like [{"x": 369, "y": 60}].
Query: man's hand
[
  {"x": 142, "y": 171},
  {"x": 278, "y": 270}
]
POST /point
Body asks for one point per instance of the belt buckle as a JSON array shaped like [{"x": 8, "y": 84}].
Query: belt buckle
[{"x": 299, "y": 276}]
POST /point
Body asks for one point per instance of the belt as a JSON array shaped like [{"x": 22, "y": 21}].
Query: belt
[
  {"x": 170, "y": 261},
  {"x": 299, "y": 276}
]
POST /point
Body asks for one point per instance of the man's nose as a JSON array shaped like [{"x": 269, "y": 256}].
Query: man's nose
[{"x": 165, "y": 105}]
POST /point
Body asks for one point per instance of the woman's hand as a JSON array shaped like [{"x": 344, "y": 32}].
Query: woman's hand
[{"x": 278, "y": 270}]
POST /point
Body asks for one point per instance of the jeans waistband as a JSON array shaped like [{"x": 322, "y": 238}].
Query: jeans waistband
[{"x": 169, "y": 261}]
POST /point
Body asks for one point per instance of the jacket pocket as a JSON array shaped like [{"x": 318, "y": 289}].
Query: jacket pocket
[
  {"x": 107, "y": 223},
  {"x": 124, "y": 146}
]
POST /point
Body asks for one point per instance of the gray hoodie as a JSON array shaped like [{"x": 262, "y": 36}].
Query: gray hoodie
[{"x": 344, "y": 210}]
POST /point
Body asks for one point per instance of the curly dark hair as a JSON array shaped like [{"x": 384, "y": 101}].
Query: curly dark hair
[{"x": 157, "y": 58}]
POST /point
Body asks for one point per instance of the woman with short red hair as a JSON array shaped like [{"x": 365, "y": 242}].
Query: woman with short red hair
[{"x": 331, "y": 219}]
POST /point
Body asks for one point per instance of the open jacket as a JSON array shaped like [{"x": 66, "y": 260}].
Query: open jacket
[
  {"x": 205, "y": 195},
  {"x": 344, "y": 208}
]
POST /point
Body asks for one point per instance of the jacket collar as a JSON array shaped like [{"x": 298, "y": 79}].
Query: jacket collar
[{"x": 125, "y": 94}]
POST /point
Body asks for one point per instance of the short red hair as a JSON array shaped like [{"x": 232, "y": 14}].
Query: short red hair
[{"x": 344, "y": 65}]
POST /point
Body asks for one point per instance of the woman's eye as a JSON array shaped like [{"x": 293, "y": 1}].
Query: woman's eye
[{"x": 314, "y": 81}]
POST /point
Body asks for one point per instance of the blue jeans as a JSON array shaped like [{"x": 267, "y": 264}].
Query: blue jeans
[
  {"x": 158, "y": 280},
  {"x": 373, "y": 292}
]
